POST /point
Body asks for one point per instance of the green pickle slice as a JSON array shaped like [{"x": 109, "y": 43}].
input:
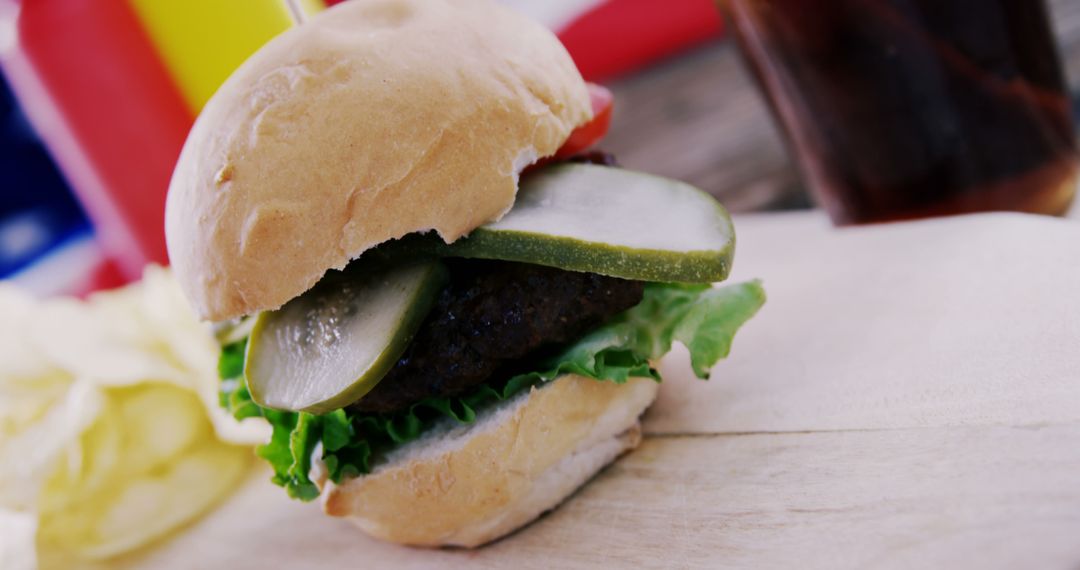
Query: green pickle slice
[
  {"x": 616, "y": 222},
  {"x": 328, "y": 347}
]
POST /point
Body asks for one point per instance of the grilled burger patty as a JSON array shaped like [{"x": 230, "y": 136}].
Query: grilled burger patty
[{"x": 490, "y": 315}]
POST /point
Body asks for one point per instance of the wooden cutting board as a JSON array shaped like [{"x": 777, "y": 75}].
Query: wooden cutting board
[{"x": 909, "y": 397}]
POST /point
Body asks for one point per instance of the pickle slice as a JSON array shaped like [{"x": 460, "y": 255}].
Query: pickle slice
[
  {"x": 328, "y": 347},
  {"x": 615, "y": 222}
]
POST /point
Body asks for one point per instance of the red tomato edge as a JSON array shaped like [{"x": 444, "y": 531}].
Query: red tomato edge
[{"x": 590, "y": 133}]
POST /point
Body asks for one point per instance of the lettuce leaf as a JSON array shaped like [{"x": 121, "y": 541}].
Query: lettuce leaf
[{"x": 702, "y": 318}]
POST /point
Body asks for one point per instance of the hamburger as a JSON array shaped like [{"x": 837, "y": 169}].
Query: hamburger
[{"x": 446, "y": 307}]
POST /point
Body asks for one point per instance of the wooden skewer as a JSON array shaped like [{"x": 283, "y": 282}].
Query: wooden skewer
[{"x": 296, "y": 11}]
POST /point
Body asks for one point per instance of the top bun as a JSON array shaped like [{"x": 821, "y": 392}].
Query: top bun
[{"x": 372, "y": 120}]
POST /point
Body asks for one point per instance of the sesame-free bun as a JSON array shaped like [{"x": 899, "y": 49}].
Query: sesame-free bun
[
  {"x": 469, "y": 485},
  {"x": 372, "y": 120}
]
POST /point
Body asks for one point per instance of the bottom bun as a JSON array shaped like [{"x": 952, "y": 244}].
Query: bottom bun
[{"x": 466, "y": 485}]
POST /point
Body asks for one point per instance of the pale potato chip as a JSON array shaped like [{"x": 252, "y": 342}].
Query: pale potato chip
[
  {"x": 109, "y": 422},
  {"x": 87, "y": 464},
  {"x": 28, "y": 458},
  {"x": 194, "y": 483},
  {"x": 17, "y": 531},
  {"x": 148, "y": 506},
  {"x": 26, "y": 399},
  {"x": 166, "y": 311},
  {"x": 193, "y": 344},
  {"x": 105, "y": 347},
  {"x": 19, "y": 359},
  {"x": 29, "y": 383},
  {"x": 133, "y": 479},
  {"x": 160, "y": 423}
]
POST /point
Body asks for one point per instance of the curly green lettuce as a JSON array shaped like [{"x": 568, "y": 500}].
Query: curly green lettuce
[{"x": 702, "y": 318}]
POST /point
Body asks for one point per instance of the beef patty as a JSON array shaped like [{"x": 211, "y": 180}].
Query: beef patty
[{"x": 491, "y": 314}]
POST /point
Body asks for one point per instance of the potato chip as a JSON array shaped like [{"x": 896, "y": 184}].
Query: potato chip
[
  {"x": 105, "y": 346},
  {"x": 18, "y": 358},
  {"x": 144, "y": 499},
  {"x": 110, "y": 433},
  {"x": 160, "y": 423},
  {"x": 88, "y": 463},
  {"x": 17, "y": 531},
  {"x": 168, "y": 312},
  {"x": 43, "y": 447}
]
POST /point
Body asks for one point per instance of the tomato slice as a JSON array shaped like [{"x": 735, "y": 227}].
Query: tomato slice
[{"x": 590, "y": 133}]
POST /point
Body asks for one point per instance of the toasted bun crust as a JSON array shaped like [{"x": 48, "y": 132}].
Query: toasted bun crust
[
  {"x": 469, "y": 485},
  {"x": 374, "y": 119}
]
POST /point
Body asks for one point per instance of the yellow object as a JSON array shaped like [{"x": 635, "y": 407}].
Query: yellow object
[
  {"x": 203, "y": 41},
  {"x": 110, "y": 432}
]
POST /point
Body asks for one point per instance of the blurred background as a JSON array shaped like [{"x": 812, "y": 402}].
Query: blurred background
[{"x": 97, "y": 97}]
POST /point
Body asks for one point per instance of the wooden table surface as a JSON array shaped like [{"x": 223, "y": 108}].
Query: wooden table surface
[
  {"x": 875, "y": 414},
  {"x": 699, "y": 118}
]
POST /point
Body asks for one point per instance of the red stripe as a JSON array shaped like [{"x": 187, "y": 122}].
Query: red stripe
[
  {"x": 621, "y": 35},
  {"x": 122, "y": 108}
]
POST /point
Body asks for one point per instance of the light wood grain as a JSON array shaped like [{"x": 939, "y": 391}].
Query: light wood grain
[
  {"x": 970, "y": 497},
  {"x": 956, "y": 321},
  {"x": 909, "y": 398}
]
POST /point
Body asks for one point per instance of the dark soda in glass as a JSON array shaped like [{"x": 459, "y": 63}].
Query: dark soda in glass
[{"x": 899, "y": 109}]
